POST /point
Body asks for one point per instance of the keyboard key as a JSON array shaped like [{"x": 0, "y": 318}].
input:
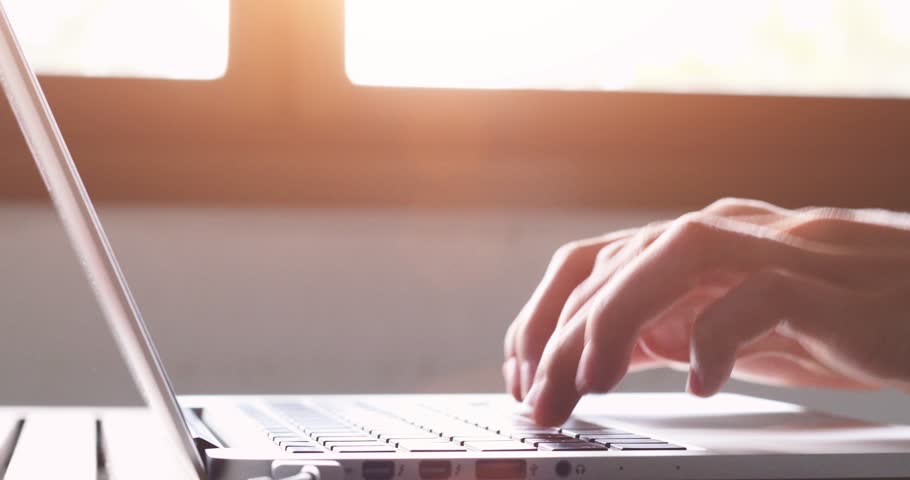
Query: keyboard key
[
  {"x": 541, "y": 431},
  {"x": 574, "y": 423},
  {"x": 304, "y": 450},
  {"x": 419, "y": 441},
  {"x": 401, "y": 435},
  {"x": 360, "y": 443},
  {"x": 336, "y": 446},
  {"x": 482, "y": 438},
  {"x": 351, "y": 440},
  {"x": 576, "y": 432},
  {"x": 555, "y": 436},
  {"x": 536, "y": 441},
  {"x": 415, "y": 433},
  {"x": 508, "y": 446},
  {"x": 352, "y": 434},
  {"x": 419, "y": 447},
  {"x": 619, "y": 441},
  {"x": 396, "y": 440},
  {"x": 475, "y": 437},
  {"x": 577, "y": 446},
  {"x": 645, "y": 446},
  {"x": 289, "y": 438},
  {"x": 381, "y": 449},
  {"x": 296, "y": 443},
  {"x": 628, "y": 436},
  {"x": 463, "y": 429}
]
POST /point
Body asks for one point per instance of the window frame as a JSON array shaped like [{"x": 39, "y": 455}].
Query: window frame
[{"x": 285, "y": 126}]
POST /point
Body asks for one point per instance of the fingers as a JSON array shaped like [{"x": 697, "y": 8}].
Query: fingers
[
  {"x": 694, "y": 247},
  {"x": 642, "y": 360},
  {"x": 791, "y": 370},
  {"x": 762, "y": 212},
  {"x": 511, "y": 375},
  {"x": 554, "y": 395},
  {"x": 855, "y": 229},
  {"x": 528, "y": 334},
  {"x": 587, "y": 288},
  {"x": 747, "y": 313},
  {"x": 667, "y": 337},
  {"x": 599, "y": 331},
  {"x": 616, "y": 255},
  {"x": 561, "y": 382}
]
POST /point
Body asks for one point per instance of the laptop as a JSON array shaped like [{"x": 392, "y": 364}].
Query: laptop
[{"x": 438, "y": 437}]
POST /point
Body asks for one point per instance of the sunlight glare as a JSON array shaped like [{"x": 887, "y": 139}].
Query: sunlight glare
[
  {"x": 128, "y": 38},
  {"x": 811, "y": 47}
]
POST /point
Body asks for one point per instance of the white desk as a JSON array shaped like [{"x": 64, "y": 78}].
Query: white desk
[{"x": 62, "y": 443}]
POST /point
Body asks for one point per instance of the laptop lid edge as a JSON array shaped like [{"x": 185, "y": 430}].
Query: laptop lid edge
[{"x": 84, "y": 230}]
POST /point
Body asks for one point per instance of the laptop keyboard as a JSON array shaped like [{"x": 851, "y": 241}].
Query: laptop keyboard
[{"x": 364, "y": 428}]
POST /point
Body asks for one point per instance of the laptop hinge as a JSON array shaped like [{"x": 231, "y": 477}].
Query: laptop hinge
[{"x": 203, "y": 437}]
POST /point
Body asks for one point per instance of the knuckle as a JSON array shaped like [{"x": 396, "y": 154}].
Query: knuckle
[
  {"x": 608, "y": 252},
  {"x": 690, "y": 232},
  {"x": 565, "y": 253},
  {"x": 725, "y": 204},
  {"x": 821, "y": 223},
  {"x": 645, "y": 237},
  {"x": 730, "y": 206},
  {"x": 578, "y": 295},
  {"x": 813, "y": 227},
  {"x": 830, "y": 213}
]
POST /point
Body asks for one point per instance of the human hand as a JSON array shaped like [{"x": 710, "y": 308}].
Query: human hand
[{"x": 812, "y": 297}]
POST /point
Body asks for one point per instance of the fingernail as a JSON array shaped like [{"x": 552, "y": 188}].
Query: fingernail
[
  {"x": 527, "y": 377},
  {"x": 533, "y": 393},
  {"x": 694, "y": 383}
]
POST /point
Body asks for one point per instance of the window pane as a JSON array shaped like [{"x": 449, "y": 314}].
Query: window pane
[
  {"x": 804, "y": 47},
  {"x": 132, "y": 38}
]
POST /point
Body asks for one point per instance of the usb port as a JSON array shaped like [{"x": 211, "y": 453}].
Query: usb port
[
  {"x": 378, "y": 470},
  {"x": 435, "y": 469},
  {"x": 501, "y": 469}
]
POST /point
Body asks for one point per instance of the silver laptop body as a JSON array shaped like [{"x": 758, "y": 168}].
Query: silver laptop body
[{"x": 437, "y": 437}]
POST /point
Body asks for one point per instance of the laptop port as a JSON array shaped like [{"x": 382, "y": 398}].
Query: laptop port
[
  {"x": 378, "y": 470},
  {"x": 435, "y": 469},
  {"x": 501, "y": 469}
]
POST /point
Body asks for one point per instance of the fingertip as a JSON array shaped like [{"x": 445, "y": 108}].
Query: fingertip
[
  {"x": 553, "y": 406},
  {"x": 706, "y": 378},
  {"x": 694, "y": 384}
]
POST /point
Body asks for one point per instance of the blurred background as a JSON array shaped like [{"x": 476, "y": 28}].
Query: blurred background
[{"x": 315, "y": 197}]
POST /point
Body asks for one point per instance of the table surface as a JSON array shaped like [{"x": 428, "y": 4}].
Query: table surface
[{"x": 45, "y": 442}]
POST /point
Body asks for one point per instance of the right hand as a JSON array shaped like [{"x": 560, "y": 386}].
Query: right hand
[{"x": 814, "y": 297}]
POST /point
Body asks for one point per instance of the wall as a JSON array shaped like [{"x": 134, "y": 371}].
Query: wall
[{"x": 300, "y": 300}]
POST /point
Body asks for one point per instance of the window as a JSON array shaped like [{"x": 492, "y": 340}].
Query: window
[
  {"x": 805, "y": 47},
  {"x": 176, "y": 39}
]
